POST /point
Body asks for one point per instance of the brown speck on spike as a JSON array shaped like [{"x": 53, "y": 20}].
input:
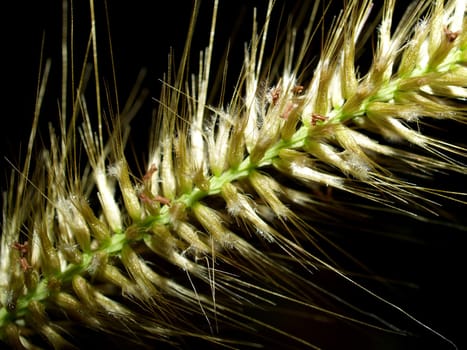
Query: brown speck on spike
[
  {"x": 25, "y": 264},
  {"x": 145, "y": 199},
  {"x": 23, "y": 250},
  {"x": 21, "y": 247},
  {"x": 152, "y": 169},
  {"x": 162, "y": 200},
  {"x": 298, "y": 89},
  {"x": 450, "y": 35},
  {"x": 275, "y": 94},
  {"x": 317, "y": 117},
  {"x": 288, "y": 109},
  {"x": 157, "y": 198}
]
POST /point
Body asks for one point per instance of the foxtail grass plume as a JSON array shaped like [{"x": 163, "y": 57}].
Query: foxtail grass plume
[{"x": 224, "y": 233}]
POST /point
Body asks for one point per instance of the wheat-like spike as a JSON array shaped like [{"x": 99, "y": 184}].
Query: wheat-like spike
[{"x": 220, "y": 228}]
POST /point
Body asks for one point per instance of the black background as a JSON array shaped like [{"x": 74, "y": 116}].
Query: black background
[{"x": 142, "y": 34}]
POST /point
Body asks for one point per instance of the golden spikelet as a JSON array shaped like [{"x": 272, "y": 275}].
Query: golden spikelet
[{"x": 236, "y": 223}]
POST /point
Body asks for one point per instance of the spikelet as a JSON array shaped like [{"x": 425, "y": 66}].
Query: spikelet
[{"x": 219, "y": 239}]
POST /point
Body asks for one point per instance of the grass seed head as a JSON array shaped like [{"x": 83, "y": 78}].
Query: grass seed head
[{"x": 217, "y": 229}]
